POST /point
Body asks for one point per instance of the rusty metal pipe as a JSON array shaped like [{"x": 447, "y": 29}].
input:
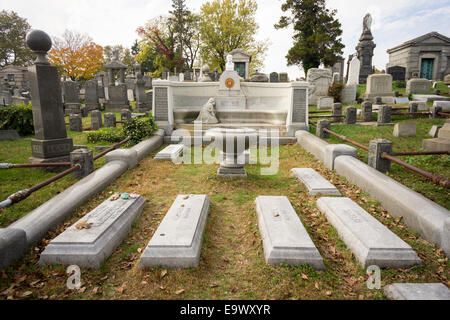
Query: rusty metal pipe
[
  {"x": 112, "y": 148},
  {"x": 346, "y": 139},
  {"x": 419, "y": 153}
]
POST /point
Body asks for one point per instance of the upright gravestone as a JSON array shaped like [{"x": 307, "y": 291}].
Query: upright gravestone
[
  {"x": 319, "y": 81},
  {"x": 71, "y": 97},
  {"x": 384, "y": 115},
  {"x": 366, "y": 111},
  {"x": 274, "y": 77},
  {"x": 379, "y": 85},
  {"x": 50, "y": 143},
  {"x": 418, "y": 86},
  {"x": 96, "y": 119},
  {"x": 398, "y": 73},
  {"x": 118, "y": 98},
  {"x": 337, "y": 112},
  {"x": 110, "y": 120},
  {"x": 75, "y": 123},
  {"x": 125, "y": 115},
  {"x": 353, "y": 74},
  {"x": 348, "y": 94},
  {"x": 350, "y": 115},
  {"x": 284, "y": 77},
  {"x": 91, "y": 95},
  {"x": 142, "y": 102}
]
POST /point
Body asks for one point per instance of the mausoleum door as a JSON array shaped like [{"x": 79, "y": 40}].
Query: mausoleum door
[
  {"x": 239, "y": 67},
  {"x": 426, "y": 71}
]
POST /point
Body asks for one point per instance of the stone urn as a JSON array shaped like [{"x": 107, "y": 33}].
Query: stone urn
[{"x": 232, "y": 144}]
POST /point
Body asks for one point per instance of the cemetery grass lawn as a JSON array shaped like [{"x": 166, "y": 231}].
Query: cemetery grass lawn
[{"x": 232, "y": 263}]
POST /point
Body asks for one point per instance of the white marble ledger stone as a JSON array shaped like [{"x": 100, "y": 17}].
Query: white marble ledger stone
[
  {"x": 110, "y": 223},
  {"x": 417, "y": 291},
  {"x": 171, "y": 152},
  {"x": 285, "y": 239},
  {"x": 178, "y": 240},
  {"x": 314, "y": 182},
  {"x": 370, "y": 241}
]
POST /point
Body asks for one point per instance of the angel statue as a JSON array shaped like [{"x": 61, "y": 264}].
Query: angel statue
[
  {"x": 367, "y": 22},
  {"x": 208, "y": 113}
]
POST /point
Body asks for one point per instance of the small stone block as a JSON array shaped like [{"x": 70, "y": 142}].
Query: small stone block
[
  {"x": 369, "y": 240},
  {"x": 178, "y": 240},
  {"x": 285, "y": 239},
  {"x": 417, "y": 291},
  {"x": 93, "y": 238},
  {"x": 13, "y": 245},
  {"x": 314, "y": 182},
  {"x": 171, "y": 152},
  {"x": 404, "y": 130}
]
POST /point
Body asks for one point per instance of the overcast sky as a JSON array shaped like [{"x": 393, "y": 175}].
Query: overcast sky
[{"x": 111, "y": 22}]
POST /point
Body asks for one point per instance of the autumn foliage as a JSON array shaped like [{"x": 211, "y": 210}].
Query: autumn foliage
[{"x": 77, "y": 56}]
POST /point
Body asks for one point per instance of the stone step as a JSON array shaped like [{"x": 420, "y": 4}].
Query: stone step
[
  {"x": 171, "y": 152},
  {"x": 369, "y": 240},
  {"x": 178, "y": 240},
  {"x": 314, "y": 182},
  {"x": 93, "y": 238},
  {"x": 285, "y": 239},
  {"x": 417, "y": 291}
]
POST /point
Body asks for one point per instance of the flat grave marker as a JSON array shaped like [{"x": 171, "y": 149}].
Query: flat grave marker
[
  {"x": 314, "y": 182},
  {"x": 172, "y": 152},
  {"x": 417, "y": 291}
]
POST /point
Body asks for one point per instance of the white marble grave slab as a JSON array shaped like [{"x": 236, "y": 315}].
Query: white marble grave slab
[
  {"x": 314, "y": 182},
  {"x": 417, "y": 291},
  {"x": 285, "y": 239},
  {"x": 370, "y": 241},
  {"x": 108, "y": 224},
  {"x": 178, "y": 240},
  {"x": 171, "y": 152},
  {"x": 401, "y": 100}
]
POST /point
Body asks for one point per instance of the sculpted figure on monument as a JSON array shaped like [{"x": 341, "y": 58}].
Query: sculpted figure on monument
[
  {"x": 367, "y": 22},
  {"x": 230, "y": 65},
  {"x": 208, "y": 113}
]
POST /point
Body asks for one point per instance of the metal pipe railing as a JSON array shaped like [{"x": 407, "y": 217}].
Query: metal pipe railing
[
  {"x": 346, "y": 139},
  {"x": 419, "y": 153},
  {"x": 112, "y": 148}
]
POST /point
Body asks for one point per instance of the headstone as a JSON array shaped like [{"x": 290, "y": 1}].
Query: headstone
[
  {"x": 284, "y": 77},
  {"x": 84, "y": 112},
  {"x": 85, "y": 159},
  {"x": 348, "y": 94},
  {"x": 401, "y": 100},
  {"x": 91, "y": 95},
  {"x": 379, "y": 85},
  {"x": 118, "y": 98},
  {"x": 398, "y": 73},
  {"x": 366, "y": 111},
  {"x": 418, "y": 86},
  {"x": 422, "y": 105},
  {"x": 93, "y": 238},
  {"x": 319, "y": 81},
  {"x": 143, "y": 99},
  {"x": 285, "y": 239},
  {"x": 9, "y": 135},
  {"x": 336, "y": 77},
  {"x": 187, "y": 75},
  {"x": 50, "y": 142},
  {"x": 172, "y": 152},
  {"x": 325, "y": 103},
  {"x": 274, "y": 77},
  {"x": 314, "y": 182},
  {"x": 178, "y": 240},
  {"x": 369, "y": 240},
  {"x": 353, "y": 74},
  {"x": 444, "y": 132},
  {"x": 384, "y": 115},
  {"x": 434, "y": 131},
  {"x": 75, "y": 123},
  {"x": 413, "y": 108},
  {"x": 350, "y": 115},
  {"x": 110, "y": 120},
  {"x": 125, "y": 115},
  {"x": 404, "y": 130},
  {"x": 71, "y": 97},
  {"x": 337, "y": 112},
  {"x": 96, "y": 119},
  {"x": 417, "y": 291}
]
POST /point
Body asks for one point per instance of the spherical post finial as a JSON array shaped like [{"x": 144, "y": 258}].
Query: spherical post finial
[{"x": 40, "y": 43}]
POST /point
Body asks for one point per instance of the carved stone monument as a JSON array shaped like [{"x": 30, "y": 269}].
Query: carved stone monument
[
  {"x": 319, "y": 81},
  {"x": 365, "y": 49},
  {"x": 208, "y": 113}
]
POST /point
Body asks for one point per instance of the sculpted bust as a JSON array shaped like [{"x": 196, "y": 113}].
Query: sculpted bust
[
  {"x": 208, "y": 113},
  {"x": 230, "y": 65}
]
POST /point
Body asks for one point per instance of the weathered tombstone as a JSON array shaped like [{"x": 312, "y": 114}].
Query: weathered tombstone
[
  {"x": 370, "y": 241},
  {"x": 353, "y": 74},
  {"x": 274, "y": 77},
  {"x": 118, "y": 98},
  {"x": 172, "y": 152},
  {"x": 325, "y": 103},
  {"x": 379, "y": 85},
  {"x": 9, "y": 135},
  {"x": 348, "y": 94},
  {"x": 319, "y": 81},
  {"x": 366, "y": 111},
  {"x": 285, "y": 239},
  {"x": 125, "y": 115},
  {"x": 93, "y": 239},
  {"x": 110, "y": 120},
  {"x": 398, "y": 73},
  {"x": 178, "y": 240},
  {"x": 323, "y": 124},
  {"x": 337, "y": 112},
  {"x": 336, "y": 77},
  {"x": 187, "y": 75},
  {"x": 314, "y": 182},
  {"x": 142, "y": 98},
  {"x": 417, "y": 291},
  {"x": 404, "y": 130},
  {"x": 418, "y": 86},
  {"x": 91, "y": 95},
  {"x": 50, "y": 143},
  {"x": 384, "y": 115},
  {"x": 71, "y": 97},
  {"x": 284, "y": 77},
  {"x": 378, "y": 100},
  {"x": 413, "y": 108},
  {"x": 75, "y": 123},
  {"x": 350, "y": 115},
  {"x": 84, "y": 111},
  {"x": 422, "y": 105},
  {"x": 96, "y": 119}
]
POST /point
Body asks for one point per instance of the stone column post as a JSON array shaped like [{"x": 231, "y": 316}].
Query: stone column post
[
  {"x": 323, "y": 124},
  {"x": 413, "y": 107},
  {"x": 337, "y": 111},
  {"x": 384, "y": 115},
  {"x": 366, "y": 111},
  {"x": 350, "y": 115},
  {"x": 376, "y": 149},
  {"x": 85, "y": 159}
]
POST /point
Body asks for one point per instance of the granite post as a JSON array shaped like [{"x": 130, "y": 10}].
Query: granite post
[
  {"x": 96, "y": 119},
  {"x": 85, "y": 159},
  {"x": 350, "y": 115},
  {"x": 337, "y": 112},
  {"x": 323, "y": 124},
  {"x": 384, "y": 115},
  {"x": 110, "y": 120},
  {"x": 376, "y": 149},
  {"x": 366, "y": 113},
  {"x": 412, "y": 108}
]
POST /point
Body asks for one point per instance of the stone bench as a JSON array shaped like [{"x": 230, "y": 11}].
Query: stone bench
[
  {"x": 178, "y": 240},
  {"x": 370, "y": 241},
  {"x": 285, "y": 239},
  {"x": 314, "y": 182},
  {"x": 93, "y": 238},
  {"x": 419, "y": 213}
]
